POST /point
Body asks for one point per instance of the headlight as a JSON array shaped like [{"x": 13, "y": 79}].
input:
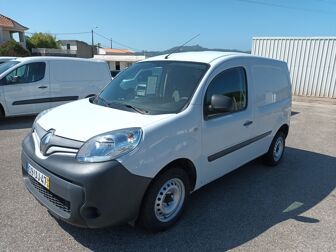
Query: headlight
[
  {"x": 40, "y": 115},
  {"x": 109, "y": 145}
]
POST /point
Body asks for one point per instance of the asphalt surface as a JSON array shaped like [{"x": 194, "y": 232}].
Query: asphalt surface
[{"x": 291, "y": 207}]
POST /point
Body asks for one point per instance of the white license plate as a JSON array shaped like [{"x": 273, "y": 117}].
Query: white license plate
[{"x": 38, "y": 176}]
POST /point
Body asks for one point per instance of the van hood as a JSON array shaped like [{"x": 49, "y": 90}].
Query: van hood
[{"x": 81, "y": 120}]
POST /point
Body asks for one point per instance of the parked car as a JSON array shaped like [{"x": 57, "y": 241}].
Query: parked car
[
  {"x": 4, "y": 59},
  {"x": 160, "y": 130},
  {"x": 33, "y": 84}
]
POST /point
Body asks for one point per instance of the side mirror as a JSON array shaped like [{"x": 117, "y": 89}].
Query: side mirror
[
  {"x": 92, "y": 98},
  {"x": 16, "y": 79},
  {"x": 220, "y": 104}
]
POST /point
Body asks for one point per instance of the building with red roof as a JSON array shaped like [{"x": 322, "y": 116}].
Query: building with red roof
[{"x": 10, "y": 29}]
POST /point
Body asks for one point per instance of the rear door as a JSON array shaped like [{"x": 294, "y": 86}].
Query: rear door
[{"x": 26, "y": 89}]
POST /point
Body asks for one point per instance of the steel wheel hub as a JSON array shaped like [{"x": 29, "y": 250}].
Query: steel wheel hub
[
  {"x": 169, "y": 200},
  {"x": 278, "y": 149}
]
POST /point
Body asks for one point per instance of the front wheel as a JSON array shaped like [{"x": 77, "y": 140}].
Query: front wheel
[
  {"x": 165, "y": 200},
  {"x": 276, "y": 150}
]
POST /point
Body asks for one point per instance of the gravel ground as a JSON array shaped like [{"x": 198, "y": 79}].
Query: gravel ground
[{"x": 255, "y": 208}]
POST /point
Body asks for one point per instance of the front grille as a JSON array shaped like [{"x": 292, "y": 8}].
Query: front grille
[{"x": 57, "y": 201}]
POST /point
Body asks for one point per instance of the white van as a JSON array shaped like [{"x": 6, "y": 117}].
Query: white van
[
  {"x": 33, "y": 84},
  {"x": 160, "y": 130}
]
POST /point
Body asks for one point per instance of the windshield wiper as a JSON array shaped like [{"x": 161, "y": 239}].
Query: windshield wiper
[{"x": 139, "y": 110}]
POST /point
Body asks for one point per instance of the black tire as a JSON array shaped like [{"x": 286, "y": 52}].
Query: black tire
[
  {"x": 2, "y": 112},
  {"x": 152, "y": 217},
  {"x": 275, "y": 152}
]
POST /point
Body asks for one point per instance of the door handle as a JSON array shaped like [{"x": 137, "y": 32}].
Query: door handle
[
  {"x": 247, "y": 123},
  {"x": 42, "y": 87}
]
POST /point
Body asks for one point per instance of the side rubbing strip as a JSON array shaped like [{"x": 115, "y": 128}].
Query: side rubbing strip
[
  {"x": 43, "y": 100},
  {"x": 237, "y": 147}
]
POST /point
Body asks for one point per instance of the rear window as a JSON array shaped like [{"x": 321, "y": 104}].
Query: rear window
[{"x": 271, "y": 84}]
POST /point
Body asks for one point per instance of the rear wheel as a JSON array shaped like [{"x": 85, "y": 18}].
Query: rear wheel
[
  {"x": 276, "y": 150},
  {"x": 2, "y": 112},
  {"x": 165, "y": 200}
]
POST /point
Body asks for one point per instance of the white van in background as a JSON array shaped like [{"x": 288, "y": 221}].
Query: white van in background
[
  {"x": 30, "y": 85},
  {"x": 4, "y": 59}
]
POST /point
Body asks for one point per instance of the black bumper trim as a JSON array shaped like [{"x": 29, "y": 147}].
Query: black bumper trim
[
  {"x": 108, "y": 187},
  {"x": 54, "y": 199}
]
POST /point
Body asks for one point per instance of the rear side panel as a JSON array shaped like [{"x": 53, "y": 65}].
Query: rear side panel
[
  {"x": 72, "y": 80},
  {"x": 272, "y": 98}
]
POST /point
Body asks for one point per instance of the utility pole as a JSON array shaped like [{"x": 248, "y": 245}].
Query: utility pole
[
  {"x": 92, "y": 44},
  {"x": 111, "y": 43}
]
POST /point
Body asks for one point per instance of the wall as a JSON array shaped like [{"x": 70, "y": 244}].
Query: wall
[
  {"x": 84, "y": 50},
  {"x": 5, "y": 35},
  {"x": 125, "y": 60},
  {"x": 53, "y": 52},
  {"x": 311, "y": 62}
]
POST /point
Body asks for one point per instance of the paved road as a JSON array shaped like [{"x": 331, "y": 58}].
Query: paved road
[{"x": 290, "y": 207}]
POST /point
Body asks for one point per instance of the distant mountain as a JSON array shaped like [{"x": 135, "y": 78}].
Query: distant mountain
[{"x": 193, "y": 48}]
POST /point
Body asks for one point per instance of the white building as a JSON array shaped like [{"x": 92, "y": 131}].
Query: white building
[
  {"x": 68, "y": 48},
  {"x": 118, "y": 59},
  {"x": 311, "y": 62}
]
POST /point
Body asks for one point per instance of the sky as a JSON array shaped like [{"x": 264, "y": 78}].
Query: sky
[{"x": 159, "y": 25}]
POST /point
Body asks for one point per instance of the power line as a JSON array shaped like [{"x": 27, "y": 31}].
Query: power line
[
  {"x": 101, "y": 35},
  {"x": 63, "y": 33},
  {"x": 73, "y": 33},
  {"x": 286, "y": 6},
  {"x": 89, "y": 32},
  {"x": 326, "y": 1},
  {"x": 116, "y": 42}
]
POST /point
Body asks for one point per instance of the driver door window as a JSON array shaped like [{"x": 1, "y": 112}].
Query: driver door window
[
  {"x": 230, "y": 83},
  {"x": 27, "y": 73}
]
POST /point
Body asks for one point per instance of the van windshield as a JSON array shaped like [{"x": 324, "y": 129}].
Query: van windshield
[
  {"x": 5, "y": 66},
  {"x": 155, "y": 87}
]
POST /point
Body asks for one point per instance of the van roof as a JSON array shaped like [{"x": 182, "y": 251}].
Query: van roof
[
  {"x": 202, "y": 56},
  {"x": 48, "y": 58}
]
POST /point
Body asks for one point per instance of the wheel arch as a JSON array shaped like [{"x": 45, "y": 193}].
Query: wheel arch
[
  {"x": 285, "y": 129},
  {"x": 2, "y": 111},
  {"x": 187, "y": 165}
]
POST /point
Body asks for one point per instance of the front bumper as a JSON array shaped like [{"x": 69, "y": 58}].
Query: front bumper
[{"x": 85, "y": 194}]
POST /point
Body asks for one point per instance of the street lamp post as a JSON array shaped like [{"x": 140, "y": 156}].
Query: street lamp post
[
  {"x": 92, "y": 45},
  {"x": 92, "y": 42}
]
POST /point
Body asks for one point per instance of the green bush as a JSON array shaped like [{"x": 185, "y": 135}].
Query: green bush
[
  {"x": 41, "y": 40},
  {"x": 12, "y": 48}
]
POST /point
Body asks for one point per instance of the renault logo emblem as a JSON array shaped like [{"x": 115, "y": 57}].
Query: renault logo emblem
[{"x": 45, "y": 140}]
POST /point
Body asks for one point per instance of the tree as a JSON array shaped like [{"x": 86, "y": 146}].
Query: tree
[
  {"x": 41, "y": 40},
  {"x": 12, "y": 48}
]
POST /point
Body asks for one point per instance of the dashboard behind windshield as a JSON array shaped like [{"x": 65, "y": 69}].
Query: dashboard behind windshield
[
  {"x": 5, "y": 66},
  {"x": 154, "y": 87}
]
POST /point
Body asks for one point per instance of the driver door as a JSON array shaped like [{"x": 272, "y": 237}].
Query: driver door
[{"x": 225, "y": 135}]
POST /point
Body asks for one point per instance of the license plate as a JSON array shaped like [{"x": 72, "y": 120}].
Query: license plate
[{"x": 38, "y": 176}]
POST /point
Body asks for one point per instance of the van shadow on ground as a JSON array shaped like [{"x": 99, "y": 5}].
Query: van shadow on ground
[
  {"x": 21, "y": 122},
  {"x": 232, "y": 210}
]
